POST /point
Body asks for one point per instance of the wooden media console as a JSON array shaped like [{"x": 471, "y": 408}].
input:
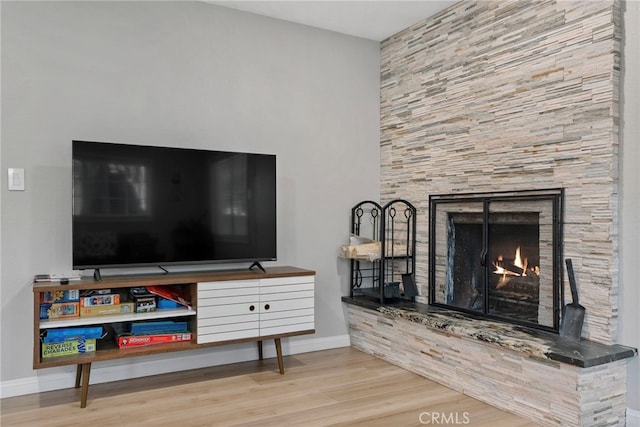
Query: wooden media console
[{"x": 226, "y": 307}]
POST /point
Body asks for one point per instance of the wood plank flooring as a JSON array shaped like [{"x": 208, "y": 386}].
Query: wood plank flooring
[{"x": 338, "y": 387}]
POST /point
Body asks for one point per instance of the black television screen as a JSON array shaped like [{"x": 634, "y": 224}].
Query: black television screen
[{"x": 139, "y": 205}]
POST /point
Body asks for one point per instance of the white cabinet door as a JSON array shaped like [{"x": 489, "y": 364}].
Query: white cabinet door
[
  {"x": 238, "y": 309},
  {"x": 227, "y": 310},
  {"x": 286, "y": 305}
]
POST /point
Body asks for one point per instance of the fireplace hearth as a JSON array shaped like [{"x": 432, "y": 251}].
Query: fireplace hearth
[{"x": 498, "y": 255}]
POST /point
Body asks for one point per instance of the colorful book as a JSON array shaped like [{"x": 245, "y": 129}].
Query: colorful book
[{"x": 66, "y": 348}]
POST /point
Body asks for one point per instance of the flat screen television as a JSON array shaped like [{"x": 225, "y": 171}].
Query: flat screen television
[{"x": 137, "y": 205}]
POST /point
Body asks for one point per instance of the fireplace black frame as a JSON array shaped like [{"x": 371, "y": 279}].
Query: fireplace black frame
[{"x": 554, "y": 195}]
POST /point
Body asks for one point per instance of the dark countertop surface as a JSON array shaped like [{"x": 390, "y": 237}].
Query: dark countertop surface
[{"x": 535, "y": 343}]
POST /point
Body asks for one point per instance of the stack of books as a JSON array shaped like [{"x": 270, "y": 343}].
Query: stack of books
[
  {"x": 138, "y": 334},
  {"x": 69, "y": 341}
]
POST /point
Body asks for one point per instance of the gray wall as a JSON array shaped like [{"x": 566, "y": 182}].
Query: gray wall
[{"x": 184, "y": 74}]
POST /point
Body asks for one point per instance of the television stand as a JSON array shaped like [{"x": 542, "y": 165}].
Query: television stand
[
  {"x": 227, "y": 307},
  {"x": 257, "y": 264},
  {"x": 96, "y": 275}
]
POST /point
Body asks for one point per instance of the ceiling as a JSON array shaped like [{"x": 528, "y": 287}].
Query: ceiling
[{"x": 373, "y": 20}]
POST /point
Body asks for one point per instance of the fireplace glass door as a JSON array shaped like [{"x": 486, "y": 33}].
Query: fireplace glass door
[{"x": 498, "y": 255}]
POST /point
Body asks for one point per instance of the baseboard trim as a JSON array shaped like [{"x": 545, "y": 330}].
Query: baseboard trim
[
  {"x": 633, "y": 418},
  {"x": 102, "y": 372}
]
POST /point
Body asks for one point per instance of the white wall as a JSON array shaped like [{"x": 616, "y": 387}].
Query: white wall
[
  {"x": 630, "y": 202},
  {"x": 184, "y": 74}
]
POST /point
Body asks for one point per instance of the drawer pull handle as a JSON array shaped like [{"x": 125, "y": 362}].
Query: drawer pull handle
[
  {"x": 267, "y": 307},
  {"x": 251, "y": 308}
]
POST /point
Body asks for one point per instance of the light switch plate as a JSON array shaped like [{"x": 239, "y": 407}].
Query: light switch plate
[{"x": 16, "y": 179}]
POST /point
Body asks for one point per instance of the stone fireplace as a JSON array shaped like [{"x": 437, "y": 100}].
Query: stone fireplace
[
  {"x": 498, "y": 255},
  {"x": 509, "y": 96},
  {"x": 499, "y": 96}
]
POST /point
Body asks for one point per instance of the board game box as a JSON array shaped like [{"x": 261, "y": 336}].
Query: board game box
[
  {"x": 145, "y": 304},
  {"x": 65, "y": 348},
  {"x": 59, "y": 310},
  {"x": 102, "y": 310},
  {"x": 155, "y": 327},
  {"x": 70, "y": 334},
  {"x": 128, "y": 341},
  {"x": 94, "y": 300},
  {"x": 144, "y": 300},
  {"x": 50, "y": 297}
]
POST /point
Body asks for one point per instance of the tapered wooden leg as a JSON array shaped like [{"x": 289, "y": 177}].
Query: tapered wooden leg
[
  {"x": 260, "y": 350},
  {"x": 279, "y": 354},
  {"x": 78, "y": 375},
  {"x": 86, "y": 370}
]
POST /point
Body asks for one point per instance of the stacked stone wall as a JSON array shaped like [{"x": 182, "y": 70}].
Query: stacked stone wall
[{"x": 512, "y": 95}]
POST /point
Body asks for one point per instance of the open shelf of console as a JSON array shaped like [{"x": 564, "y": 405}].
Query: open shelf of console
[{"x": 114, "y": 318}]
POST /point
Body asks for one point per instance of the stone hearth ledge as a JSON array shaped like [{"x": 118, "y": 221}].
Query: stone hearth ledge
[{"x": 534, "y": 343}]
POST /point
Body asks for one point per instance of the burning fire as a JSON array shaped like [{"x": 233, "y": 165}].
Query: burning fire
[
  {"x": 518, "y": 262},
  {"x": 518, "y": 269}
]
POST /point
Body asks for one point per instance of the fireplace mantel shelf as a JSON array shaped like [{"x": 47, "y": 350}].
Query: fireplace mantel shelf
[{"x": 535, "y": 344}]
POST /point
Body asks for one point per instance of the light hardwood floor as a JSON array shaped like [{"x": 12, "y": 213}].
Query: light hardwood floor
[{"x": 342, "y": 387}]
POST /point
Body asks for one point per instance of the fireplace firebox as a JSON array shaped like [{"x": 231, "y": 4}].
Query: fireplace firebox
[{"x": 498, "y": 255}]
